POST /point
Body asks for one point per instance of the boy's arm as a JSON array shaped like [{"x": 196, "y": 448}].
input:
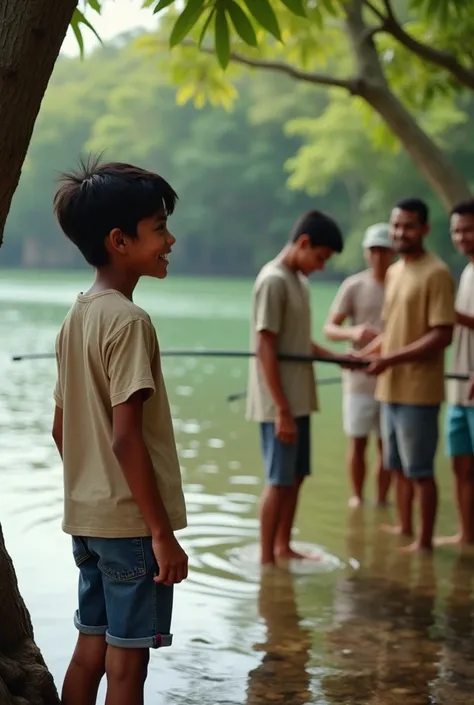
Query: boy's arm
[
  {"x": 464, "y": 319},
  {"x": 269, "y": 305},
  {"x": 57, "y": 431},
  {"x": 129, "y": 357},
  {"x": 135, "y": 462}
]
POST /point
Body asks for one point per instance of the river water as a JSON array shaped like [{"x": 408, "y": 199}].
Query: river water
[{"x": 367, "y": 625}]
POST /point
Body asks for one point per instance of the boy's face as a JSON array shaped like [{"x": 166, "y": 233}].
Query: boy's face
[
  {"x": 462, "y": 233},
  {"x": 379, "y": 258},
  {"x": 147, "y": 254},
  {"x": 312, "y": 259}
]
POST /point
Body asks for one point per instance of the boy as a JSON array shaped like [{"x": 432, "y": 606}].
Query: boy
[
  {"x": 281, "y": 396},
  {"x": 112, "y": 427},
  {"x": 460, "y": 413},
  {"x": 360, "y": 299},
  {"x": 418, "y": 316}
]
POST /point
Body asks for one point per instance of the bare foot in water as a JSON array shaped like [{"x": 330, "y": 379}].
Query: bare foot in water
[
  {"x": 291, "y": 555},
  {"x": 456, "y": 540},
  {"x": 415, "y": 548},
  {"x": 393, "y": 530},
  {"x": 355, "y": 502}
]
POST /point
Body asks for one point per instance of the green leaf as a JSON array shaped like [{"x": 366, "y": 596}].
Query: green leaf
[
  {"x": 242, "y": 24},
  {"x": 295, "y": 6},
  {"x": 78, "y": 18},
  {"x": 265, "y": 16},
  {"x": 95, "y": 5},
  {"x": 206, "y": 27},
  {"x": 160, "y": 6},
  {"x": 186, "y": 21},
  {"x": 222, "y": 40}
]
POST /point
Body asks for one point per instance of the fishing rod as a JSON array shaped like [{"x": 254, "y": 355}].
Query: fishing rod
[
  {"x": 285, "y": 357},
  {"x": 221, "y": 353},
  {"x": 325, "y": 380}
]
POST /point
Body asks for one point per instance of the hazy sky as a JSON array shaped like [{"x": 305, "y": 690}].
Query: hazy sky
[{"x": 117, "y": 16}]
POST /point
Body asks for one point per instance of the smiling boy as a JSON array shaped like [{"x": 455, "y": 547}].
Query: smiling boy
[{"x": 123, "y": 496}]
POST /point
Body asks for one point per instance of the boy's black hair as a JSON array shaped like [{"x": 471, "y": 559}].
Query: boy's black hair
[
  {"x": 415, "y": 205},
  {"x": 97, "y": 198},
  {"x": 464, "y": 208},
  {"x": 321, "y": 229}
]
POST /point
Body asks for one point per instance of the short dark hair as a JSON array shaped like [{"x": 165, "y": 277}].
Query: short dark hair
[
  {"x": 464, "y": 208},
  {"x": 97, "y": 198},
  {"x": 415, "y": 205},
  {"x": 321, "y": 229}
]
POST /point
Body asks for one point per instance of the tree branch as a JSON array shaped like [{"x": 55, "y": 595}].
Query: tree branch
[
  {"x": 348, "y": 84},
  {"x": 438, "y": 57}
]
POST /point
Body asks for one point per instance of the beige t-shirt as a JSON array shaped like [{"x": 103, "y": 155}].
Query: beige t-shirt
[
  {"x": 281, "y": 305},
  {"x": 463, "y": 348},
  {"x": 106, "y": 350},
  {"x": 360, "y": 299},
  {"x": 419, "y": 295}
]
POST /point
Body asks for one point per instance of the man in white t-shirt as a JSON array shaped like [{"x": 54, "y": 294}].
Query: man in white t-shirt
[{"x": 359, "y": 301}]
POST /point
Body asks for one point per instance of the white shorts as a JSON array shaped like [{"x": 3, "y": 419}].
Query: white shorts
[{"x": 360, "y": 415}]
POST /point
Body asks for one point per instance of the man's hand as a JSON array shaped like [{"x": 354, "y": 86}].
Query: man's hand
[
  {"x": 285, "y": 426},
  {"x": 364, "y": 334},
  {"x": 378, "y": 365},
  {"x": 172, "y": 560}
]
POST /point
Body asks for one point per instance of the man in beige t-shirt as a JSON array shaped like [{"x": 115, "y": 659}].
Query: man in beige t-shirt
[
  {"x": 460, "y": 412},
  {"x": 123, "y": 496},
  {"x": 359, "y": 300},
  {"x": 281, "y": 395},
  {"x": 418, "y": 316}
]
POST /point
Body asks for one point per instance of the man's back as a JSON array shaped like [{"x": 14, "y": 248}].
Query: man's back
[
  {"x": 107, "y": 350},
  {"x": 281, "y": 305},
  {"x": 418, "y": 297}
]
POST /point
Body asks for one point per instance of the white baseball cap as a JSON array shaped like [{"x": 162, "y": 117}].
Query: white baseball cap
[{"x": 377, "y": 235}]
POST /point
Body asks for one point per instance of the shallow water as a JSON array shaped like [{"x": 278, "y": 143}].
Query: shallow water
[{"x": 364, "y": 626}]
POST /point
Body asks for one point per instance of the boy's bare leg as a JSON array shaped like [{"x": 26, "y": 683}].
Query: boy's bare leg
[
  {"x": 85, "y": 671},
  {"x": 463, "y": 467},
  {"x": 405, "y": 493},
  {"x": 289, "y": 505},
  {"x": 357, "y": 469},
  {"x": 126, "y": 671},
  {"x": 270, "y": 508},
  {"x": 428, "y": 496},
  {"x": 384, "y": 477}
]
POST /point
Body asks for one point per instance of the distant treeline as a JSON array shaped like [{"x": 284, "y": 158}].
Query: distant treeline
[{"x": 230, "y": 169}]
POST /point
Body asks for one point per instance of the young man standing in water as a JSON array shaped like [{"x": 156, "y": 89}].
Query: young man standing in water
[
  {"x": 282, "y": 395},
  {"x": 360, "y": 299},
  {"x": 113, "y": 430},
  {"x": 408, "y": 358},
  {"x": 460, "y": 413}
]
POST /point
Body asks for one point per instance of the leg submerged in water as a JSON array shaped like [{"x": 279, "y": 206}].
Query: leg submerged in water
[
  {"x": 383, "y": 478},
  {"x": 463, "y": 467},
  {"x": 405, "y": 493},
  {"x": 357, "y": 469},
  {"x": 289, "y": 505}
]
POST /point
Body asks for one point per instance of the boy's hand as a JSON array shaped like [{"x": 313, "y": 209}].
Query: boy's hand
[
  {"x": 285, "y": 426},
  {"x": 171, "y": 559},
  {"x": 364, "y": 334}
]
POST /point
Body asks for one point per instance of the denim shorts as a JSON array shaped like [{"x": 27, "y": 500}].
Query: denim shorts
[
  {"x": 410, "y": 438},
  {"x": 117, "y": 594},
  {"x": 286, "y": 462},
  {"x": 459, "y": 430}
]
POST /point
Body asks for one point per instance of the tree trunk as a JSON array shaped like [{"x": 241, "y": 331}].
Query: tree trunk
[
  {"x": 24, "y": 676},
  {"x": 432, "y": 162},
  {"x": 31, "y": 34}
]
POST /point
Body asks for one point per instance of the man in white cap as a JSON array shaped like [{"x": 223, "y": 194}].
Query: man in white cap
[{"x": 359, "y": 302}]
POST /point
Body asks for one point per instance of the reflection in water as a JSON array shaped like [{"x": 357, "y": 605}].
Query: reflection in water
[{"x": 282, "y": 676}]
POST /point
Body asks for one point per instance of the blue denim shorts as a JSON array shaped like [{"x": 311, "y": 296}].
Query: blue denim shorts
[
  {"x": 286, "y": 462},
  {"x": 410, "y": 438},
  {"x": 459, "y": 430},
  {"x": 117, "y": 594}
]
